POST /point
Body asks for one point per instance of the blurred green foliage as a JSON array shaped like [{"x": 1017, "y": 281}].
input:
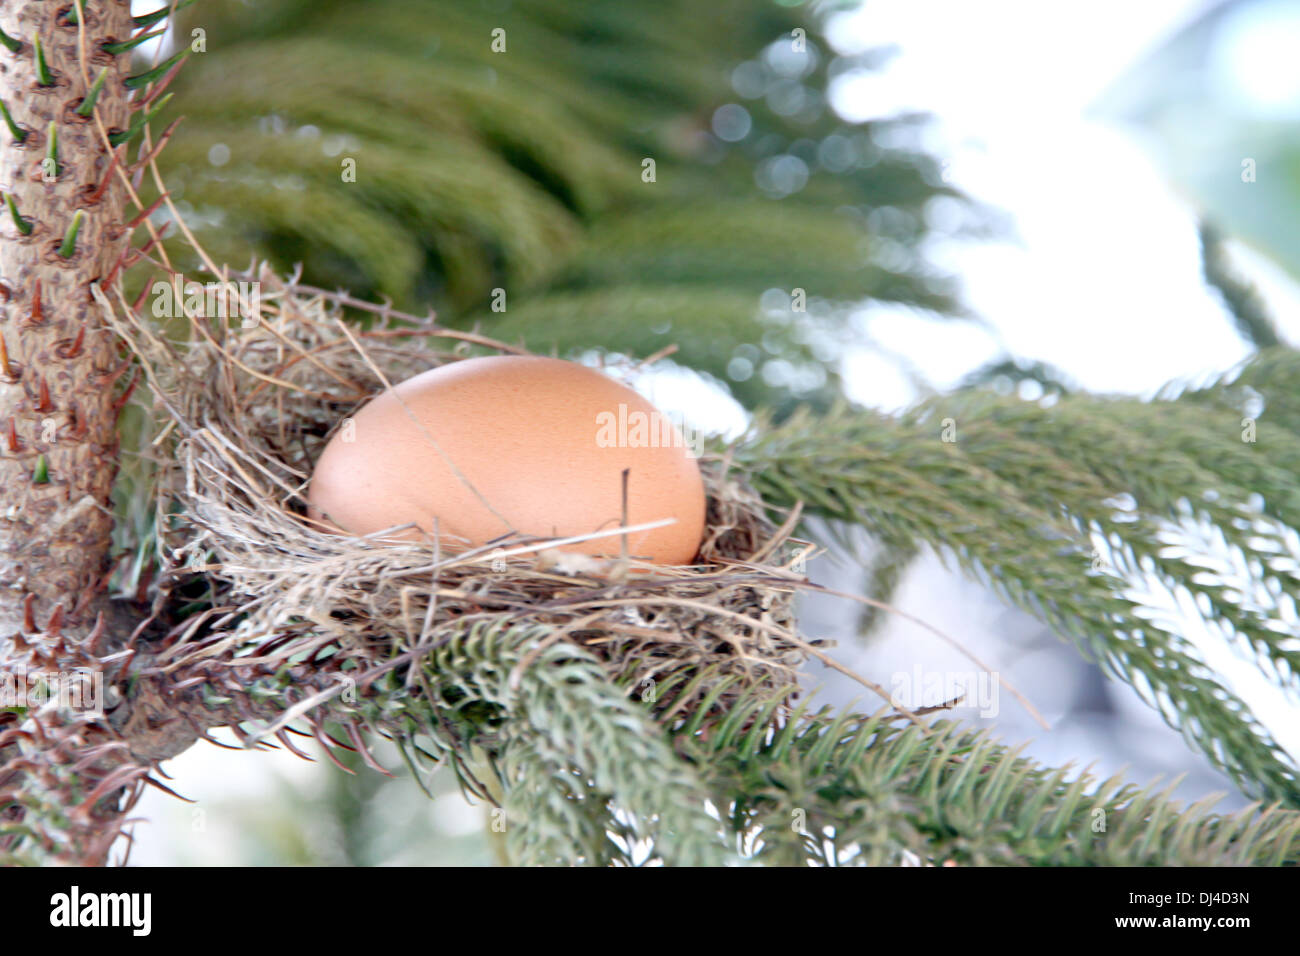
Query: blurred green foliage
[
  {"x": 516, "y": 161},
  {"x": 1218, "y": 107}
]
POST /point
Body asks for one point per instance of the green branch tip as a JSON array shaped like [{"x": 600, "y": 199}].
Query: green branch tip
[
  {"x": 118, "y": 48},
  {"x": 69, "y": 245},
  {"x": 52, "y": 148},
  {"x": 24, "y": 225},
  {"x": 148, "y": 76},
  {"x": 41, "y": 475},
  {"x": 10, "y": 43},
  {"x": 19, "y": 134},
  {"x": 88, "y": 104},
  {"x": 146, "y": 20},
  {"x": 137, "y": 124},
  {"x": 43, "y": 75}
]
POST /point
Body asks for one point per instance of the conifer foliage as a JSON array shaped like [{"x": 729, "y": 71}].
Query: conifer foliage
[
  {"x": 581, "y": 175},
  {"x": 550, "y": 171}
]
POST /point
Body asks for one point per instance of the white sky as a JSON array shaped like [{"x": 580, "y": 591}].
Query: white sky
[{"x": 1105, "y": 282}]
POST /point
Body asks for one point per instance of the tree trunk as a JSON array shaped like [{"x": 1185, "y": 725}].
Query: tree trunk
[
  {"x": 59, "y": 369},
  {"x": 57, "y": 408}
]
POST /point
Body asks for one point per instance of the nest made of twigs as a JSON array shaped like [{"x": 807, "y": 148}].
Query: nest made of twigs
[{"x": 247, "y": 405}]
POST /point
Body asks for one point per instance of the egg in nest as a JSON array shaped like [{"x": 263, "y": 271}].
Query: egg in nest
[{"x": 526, "y": 444}]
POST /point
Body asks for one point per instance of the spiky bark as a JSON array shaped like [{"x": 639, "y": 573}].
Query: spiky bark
[
  {"x": 63, "y": 230},
  {"x": 57, "y": 404}
]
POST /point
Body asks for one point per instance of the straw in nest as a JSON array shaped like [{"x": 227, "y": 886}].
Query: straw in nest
[{"x": 248, "y": 409}]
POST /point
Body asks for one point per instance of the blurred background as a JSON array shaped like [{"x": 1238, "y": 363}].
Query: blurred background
[{"x": 1015, "y": 195}]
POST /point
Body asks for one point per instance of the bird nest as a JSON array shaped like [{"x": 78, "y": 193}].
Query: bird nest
[{"x": 246, "y": 404}]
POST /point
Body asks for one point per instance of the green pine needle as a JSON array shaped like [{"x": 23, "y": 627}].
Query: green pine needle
[
  {"x": 41, "y": 475},
  {"x": 146, "y": 20},
  {"x": 24, "y": 225},
  {"x": 69, "y": 244},
  {"x": 126, "y": 45},
  {"x": 43, "y": 75},
  {"x": 52, "y": 150},
  {"x": 12, "y": 45},
  {"x": 19, "y": 134},
  {"x": 87, "y": 106},
  {"x": 148, "y": 76},
  {"x": 138, "y": 122}
]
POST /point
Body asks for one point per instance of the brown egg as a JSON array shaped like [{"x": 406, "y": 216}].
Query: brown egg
[{"x": 540, "y": 445}]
